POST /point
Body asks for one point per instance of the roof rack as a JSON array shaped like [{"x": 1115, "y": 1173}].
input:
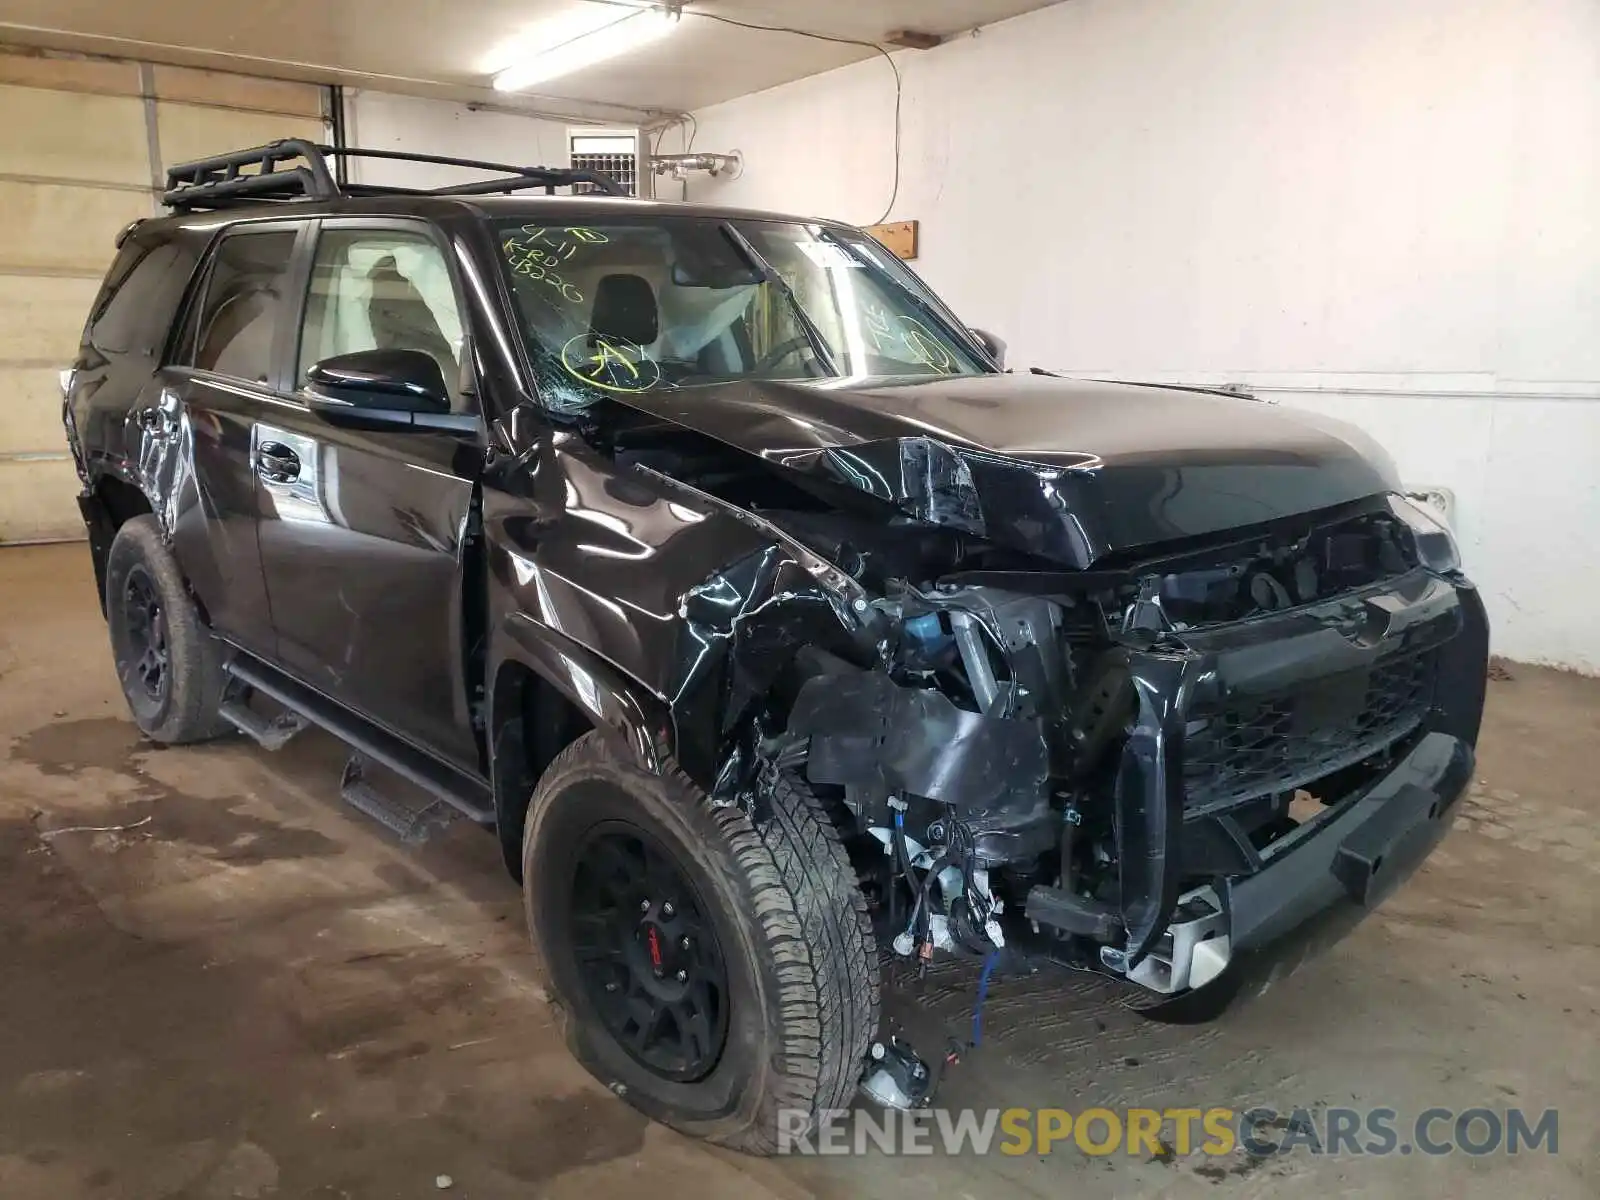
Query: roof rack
[{"x": 260, "y": 173}]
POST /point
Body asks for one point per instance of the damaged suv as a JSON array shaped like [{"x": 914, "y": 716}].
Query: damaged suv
[{"x": 772, "y": 626}]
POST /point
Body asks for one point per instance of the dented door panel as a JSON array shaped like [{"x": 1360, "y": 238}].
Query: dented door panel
[{"x": 189, "y": 449}]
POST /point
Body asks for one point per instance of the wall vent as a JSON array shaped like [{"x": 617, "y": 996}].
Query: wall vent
[{"x": 619, "y": 154}]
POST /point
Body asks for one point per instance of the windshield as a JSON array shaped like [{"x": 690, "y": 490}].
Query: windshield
[{"x": 680, "y": 302}]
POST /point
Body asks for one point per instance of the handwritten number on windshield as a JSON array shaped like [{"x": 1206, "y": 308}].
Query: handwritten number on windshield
[
  {"x": 539, "y": 250},
  {"x": 879, "y": 329}
]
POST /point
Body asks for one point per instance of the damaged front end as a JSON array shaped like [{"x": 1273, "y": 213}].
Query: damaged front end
[{"x": 1154, "y": 769}]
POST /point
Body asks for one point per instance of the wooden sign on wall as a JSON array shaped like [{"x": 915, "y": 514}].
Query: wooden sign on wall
[{"x": 900, "y": 237}]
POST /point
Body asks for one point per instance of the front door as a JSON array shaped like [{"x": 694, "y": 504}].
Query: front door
[{"x": 361, "y": 533}]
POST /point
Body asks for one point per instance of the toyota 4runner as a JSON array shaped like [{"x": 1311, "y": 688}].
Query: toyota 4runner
[{"x": 772, "y": 626}]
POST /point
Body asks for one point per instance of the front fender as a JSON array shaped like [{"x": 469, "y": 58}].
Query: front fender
[{"x": 610, "y": 699}]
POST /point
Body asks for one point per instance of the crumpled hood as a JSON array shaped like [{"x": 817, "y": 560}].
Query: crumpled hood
[{"x": 1071, "y": 470}]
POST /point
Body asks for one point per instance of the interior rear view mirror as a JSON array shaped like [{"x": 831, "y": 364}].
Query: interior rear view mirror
[
  {"x": 714, "y": 275},
  {"x": 703, "y": 256}
]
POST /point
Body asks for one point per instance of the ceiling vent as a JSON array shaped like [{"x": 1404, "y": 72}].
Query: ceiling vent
[{"x": 622, "y": 155}]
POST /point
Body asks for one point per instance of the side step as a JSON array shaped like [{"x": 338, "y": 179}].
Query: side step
[
  {"x": 413, "y": 824},
  {"x": 270, "y": 733},
  {"x": 466, "y": 793}
]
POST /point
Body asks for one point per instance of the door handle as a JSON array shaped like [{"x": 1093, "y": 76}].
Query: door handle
[{"x": 276, "y": 463}]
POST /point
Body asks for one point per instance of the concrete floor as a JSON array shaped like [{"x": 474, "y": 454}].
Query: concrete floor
[{"x": 249, "y": 991}]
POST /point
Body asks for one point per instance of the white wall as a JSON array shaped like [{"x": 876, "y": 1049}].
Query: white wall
[
  {"x": 379, "y": 121},
  {"x": 1388, "y": 210}
]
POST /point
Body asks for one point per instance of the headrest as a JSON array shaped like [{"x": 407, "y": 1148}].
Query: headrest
[{"x": 625, "y": 310}]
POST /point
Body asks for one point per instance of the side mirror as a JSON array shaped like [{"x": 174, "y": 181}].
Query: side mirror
[
  {"x": 993, "y": 346},
  {"x": 395, "y": 390}
]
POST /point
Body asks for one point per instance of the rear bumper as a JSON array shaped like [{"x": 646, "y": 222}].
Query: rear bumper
[{"x": 102, "y": 529}]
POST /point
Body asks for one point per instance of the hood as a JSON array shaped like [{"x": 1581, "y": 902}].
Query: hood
[{"x": 1070, "y": 470}]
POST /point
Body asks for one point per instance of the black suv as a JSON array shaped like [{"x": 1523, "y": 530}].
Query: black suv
[{"x": 771, "y": 624}]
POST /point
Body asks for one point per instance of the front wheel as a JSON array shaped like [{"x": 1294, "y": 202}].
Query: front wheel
[{"x": 721, "y": 977}]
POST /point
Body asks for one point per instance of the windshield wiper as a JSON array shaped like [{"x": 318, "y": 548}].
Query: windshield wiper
[{"x": 819, "y": 345}]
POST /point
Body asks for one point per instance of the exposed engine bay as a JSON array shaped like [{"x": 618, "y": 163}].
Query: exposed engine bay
[{"x": 1000, "y": 733}]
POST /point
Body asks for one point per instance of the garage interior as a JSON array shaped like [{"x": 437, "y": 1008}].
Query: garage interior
[{"x": 219, "y": 981}]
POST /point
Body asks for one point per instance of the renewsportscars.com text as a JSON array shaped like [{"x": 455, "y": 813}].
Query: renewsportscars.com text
[{"x": 1155, "y": 1132}]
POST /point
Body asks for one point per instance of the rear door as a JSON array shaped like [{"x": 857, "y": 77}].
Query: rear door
[
  {"x": 189, "y": 434},
  {"x": 361, "y": 533}
]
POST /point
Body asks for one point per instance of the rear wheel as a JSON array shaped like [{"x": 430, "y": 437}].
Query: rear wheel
[
  {"x": 721, "y": 977},
  {"x": 168, "y": 664}
]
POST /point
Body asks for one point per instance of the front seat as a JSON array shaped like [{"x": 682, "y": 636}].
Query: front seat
[{"x": 625, "y": 310}]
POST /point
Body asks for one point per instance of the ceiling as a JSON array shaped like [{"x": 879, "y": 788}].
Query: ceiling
[{"x": 441, "y": 47}]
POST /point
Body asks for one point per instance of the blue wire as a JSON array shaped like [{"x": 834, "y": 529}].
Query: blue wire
[{"x": 983, "y": 994}]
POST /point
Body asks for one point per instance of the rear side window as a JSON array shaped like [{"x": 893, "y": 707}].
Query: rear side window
[
  {"x": 246, "y": 299},
  {"x": 137, "y": 307}
]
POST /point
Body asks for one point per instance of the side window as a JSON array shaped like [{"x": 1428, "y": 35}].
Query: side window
[
  {"x": 245, "y": 298},
  {"x": 382, "y": 290},
  {"x": 137, "y": 308}
]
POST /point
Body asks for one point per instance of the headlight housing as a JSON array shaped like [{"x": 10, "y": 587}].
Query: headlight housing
[{"x": 1436, "y": 545}]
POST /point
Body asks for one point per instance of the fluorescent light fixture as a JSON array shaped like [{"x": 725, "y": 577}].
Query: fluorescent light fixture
[
  {"x": 588, "y": 36},
  {"x": 576, "y": 21}
]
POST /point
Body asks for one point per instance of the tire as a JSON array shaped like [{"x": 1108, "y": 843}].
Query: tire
[
  {"x": 801, "y": 963},
  {"x": 183, "y": 707}
]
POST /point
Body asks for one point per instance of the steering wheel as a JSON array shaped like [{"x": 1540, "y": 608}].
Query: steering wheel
[{"x": 780, "y": 352}]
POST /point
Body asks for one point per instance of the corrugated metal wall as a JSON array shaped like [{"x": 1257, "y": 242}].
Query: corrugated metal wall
[{"x": 82, "y": 148}]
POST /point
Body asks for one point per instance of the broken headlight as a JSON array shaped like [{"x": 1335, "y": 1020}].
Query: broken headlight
[{"x": 1436, "y": 545}]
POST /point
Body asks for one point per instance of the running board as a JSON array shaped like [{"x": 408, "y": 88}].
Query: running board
[
  {"x": 467, "y": 794},
  {"x": 270, "y": 733}
]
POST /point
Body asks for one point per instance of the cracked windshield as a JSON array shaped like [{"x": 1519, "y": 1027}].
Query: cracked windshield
[{"x": 678, "y": 303}]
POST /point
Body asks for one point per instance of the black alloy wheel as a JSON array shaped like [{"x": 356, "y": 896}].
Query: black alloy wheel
[
  {"x": 170, "y": 667},
  {"x": 716, "y": 975},
  {"x": 647, "y": 954},
  {"x": 146, "y": 626}
]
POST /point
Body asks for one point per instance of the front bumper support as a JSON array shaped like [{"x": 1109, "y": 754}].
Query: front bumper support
[
  {"x": 1312, "y": 888},
  {"x": 1162, "y": 847},
  {"x": 1357, "y": 856}
]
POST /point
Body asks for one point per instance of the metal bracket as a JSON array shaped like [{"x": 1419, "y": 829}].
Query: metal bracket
[{"x": 1197, "y": 952}]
